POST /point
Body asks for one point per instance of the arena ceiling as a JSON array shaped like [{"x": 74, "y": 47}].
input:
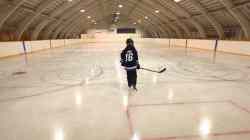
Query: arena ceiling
[{"x": 50, "y": 19}]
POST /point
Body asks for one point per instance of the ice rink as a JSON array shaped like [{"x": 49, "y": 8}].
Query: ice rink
[{"x": 80, "y": 93}]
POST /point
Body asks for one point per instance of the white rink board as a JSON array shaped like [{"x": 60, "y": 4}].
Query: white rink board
[
  {"x": 33, "y": 46},
  {"x": 237, "y": 47},
  {"x": 111, "y": 40},
  {"x": 57, "y": 43},
  {"x": 11, "y": 48},
  {"x": 178, "y": 42},
  {"x": 69, "y": 42},
  {"x": 202, "y": 44},
  {"x": 164, "y": 42}
]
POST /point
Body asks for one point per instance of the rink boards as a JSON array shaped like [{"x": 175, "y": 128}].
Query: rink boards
[{"x": 21, "y": 47}]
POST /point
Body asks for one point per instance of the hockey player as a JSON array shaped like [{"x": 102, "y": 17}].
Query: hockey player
[{"x": 129, "y": 60}]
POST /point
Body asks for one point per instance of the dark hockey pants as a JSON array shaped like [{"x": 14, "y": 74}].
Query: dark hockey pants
[{"x": 132, "y": 78}]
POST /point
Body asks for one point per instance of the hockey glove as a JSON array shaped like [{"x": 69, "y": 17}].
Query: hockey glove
[{"x": 138, "y": 66}]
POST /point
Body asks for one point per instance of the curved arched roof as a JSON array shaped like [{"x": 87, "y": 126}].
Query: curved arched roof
[{"x": 50, "y": 19}]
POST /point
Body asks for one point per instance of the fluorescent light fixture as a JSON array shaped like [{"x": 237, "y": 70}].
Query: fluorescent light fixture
[
  {"x": 157, "y": 11},
  {"x": 120, "y": 5},
  {"x": 177, "y": 0},
  {"x": 82, "y": 10}
]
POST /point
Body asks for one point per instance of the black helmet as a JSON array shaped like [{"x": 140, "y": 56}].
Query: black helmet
[{"x": 130, "y": 41}]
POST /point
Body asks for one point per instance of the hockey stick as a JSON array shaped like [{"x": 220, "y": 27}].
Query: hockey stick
[{"x": 161, "y": 71}]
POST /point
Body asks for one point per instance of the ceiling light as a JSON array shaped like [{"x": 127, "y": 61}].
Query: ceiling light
[
  {"x": 177, "y": 0},
  {"x": 146, "y": 17},
  {"x": 134, "y": 23},
  {"x": 89, "y": 17},
  {"x": 120, "y": 6},
  {"x": 157, "y": 11},
  {"x": 70, "y": 0},
  {"x": 82, "y": 10}
]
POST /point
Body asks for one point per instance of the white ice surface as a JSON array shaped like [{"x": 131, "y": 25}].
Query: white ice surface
[{"x": 80, "y": 93}]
